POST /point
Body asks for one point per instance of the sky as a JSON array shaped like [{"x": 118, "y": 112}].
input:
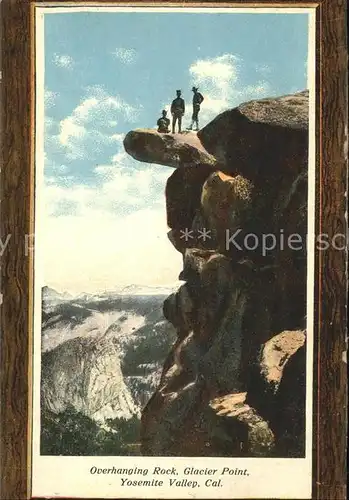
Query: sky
[{"x": 106, "y": 73}]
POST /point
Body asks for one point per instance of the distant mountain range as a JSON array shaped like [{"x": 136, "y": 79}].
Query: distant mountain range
[{"x": 102, "y": 354}]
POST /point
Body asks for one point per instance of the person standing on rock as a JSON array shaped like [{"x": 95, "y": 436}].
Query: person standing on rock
[
  {"x": 197, "y": 100},
  {"x": 163, "y": 123},
  {"x": 177, "y": 111}
]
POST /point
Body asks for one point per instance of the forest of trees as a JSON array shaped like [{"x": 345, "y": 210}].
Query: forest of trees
[{"x": 71, "y": 433}]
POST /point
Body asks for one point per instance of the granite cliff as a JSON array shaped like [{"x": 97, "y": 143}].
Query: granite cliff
[{"x": 234, "y": 382}]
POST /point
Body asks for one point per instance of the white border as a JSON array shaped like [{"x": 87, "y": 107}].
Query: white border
[
  {"x": 69, "y": 476},
  {"x": 311, "y": 230}
]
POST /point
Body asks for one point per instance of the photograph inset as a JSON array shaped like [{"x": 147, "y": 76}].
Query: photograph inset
[{"x": 174, "y": 227}]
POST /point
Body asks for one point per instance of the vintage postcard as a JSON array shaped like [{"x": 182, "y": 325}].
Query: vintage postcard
[
  {"x": 173, "y": 272},
  {"x": 173, "y": 326},
  {"x": 174, "y": 252}
]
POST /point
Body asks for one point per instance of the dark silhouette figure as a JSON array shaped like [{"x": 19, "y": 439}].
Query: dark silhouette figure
[
  {"x": 177, "y": 111},
  {"x": 197, "y": 100},
  {"x": 163, "y": 123}
]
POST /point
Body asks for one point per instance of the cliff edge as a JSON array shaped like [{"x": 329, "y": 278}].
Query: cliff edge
[{"x": 234, "y": 381}]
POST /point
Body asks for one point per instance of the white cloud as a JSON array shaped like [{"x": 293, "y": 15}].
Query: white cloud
[
  {"x": 88, "y": 129},
  {"x": 118, "y": 137},
  {"x": 220, "y": 83},
  {"x": 218, "y": 72},
  {"x": 127, "y": 56},
  {"x": 125, "y": 184},
  {"x": 111, "y": 235},
  {"x": 70, "y": 130},
  {"x": 96, "y": 250},
  {"x": 63, "y": 61},
  {"x": 50, "y": 98}
]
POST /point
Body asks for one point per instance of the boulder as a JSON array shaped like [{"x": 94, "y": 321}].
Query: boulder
[
  {"x": 226, "y": 203},
  {"x": 290, "y": 111},
  {"x": 277, "y": 389},
  {"x": 172, "y": 150},
  {"x": 240, "y": 428},
  {"x": 263, "y": 140},
  {"x": 276, "y": 353}
]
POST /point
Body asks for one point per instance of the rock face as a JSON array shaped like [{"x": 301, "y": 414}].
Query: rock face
[
  {"x": 261, "y": 138},
  {"x": 234, "y": 382},
  {"x": 86, "y": 374}
]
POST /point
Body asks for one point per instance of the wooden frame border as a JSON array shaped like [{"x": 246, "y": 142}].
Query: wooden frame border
[{"x": 17, "y": 209}]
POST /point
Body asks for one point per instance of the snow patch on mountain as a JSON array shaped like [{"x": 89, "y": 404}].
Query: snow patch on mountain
[{"x": 56, "y": 331}]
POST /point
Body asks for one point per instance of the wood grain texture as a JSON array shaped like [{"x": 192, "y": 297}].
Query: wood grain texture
[
  {"x": 16, "y": 220},
  {"x": 331, "y": 383}
]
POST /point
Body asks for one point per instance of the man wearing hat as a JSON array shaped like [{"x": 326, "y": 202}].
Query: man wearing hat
[
  {"x": 163, "y": 123},
  {"x": 177, "y": 111},
  {"x": 197, "y": 100}
]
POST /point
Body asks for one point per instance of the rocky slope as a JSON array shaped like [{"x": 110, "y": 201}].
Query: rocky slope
[
  {"x": 234, "y": 382},
  {"x": 102, "y": 354}
]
